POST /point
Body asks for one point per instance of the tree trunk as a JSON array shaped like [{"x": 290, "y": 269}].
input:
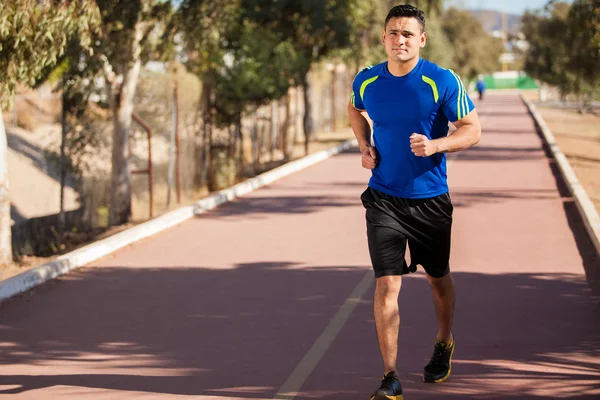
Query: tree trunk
[
  {"x": 285, "y": 127},
  {"x": 210, "y": 168},
  {"x": 122, "y": 106},
  {"x": 171, "y": 159},
  {"x": 254, "y": 142},
  {"x": 274, "y": 121},
  {"x": 333, "y": 98},
  {"x": 63, "y": 173},
  {"x": 240, "y": 146},
  {"x": 5, "y": 220},
  {"x": 205, "y": 152},
  {"x": 308, "y": 121}
]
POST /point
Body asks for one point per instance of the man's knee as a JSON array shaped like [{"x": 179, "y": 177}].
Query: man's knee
[
  {"x": 388, "y": 285},
  {"x": 441, "y": 285}
]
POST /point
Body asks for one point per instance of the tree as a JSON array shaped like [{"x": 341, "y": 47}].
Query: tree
[
  {"x": 314, "y": 27},
  {"x": 548, "y": 54},
  {"x": 439, "y": 48},
  {"x": 204, "y": 25},
  {"x": 128, "y": 28},
  {"x": 475, "y": 51},
  {"x": 260, "y": 69},
  {"x": 364, "y": 43},
  {"x": 584, "y": 43},
  {"x": 33, "y": 35}
]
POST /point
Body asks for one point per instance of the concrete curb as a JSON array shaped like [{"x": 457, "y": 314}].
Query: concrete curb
[
  {"x": 585, "y": 206},
  {"x": 67, "y": 262}
]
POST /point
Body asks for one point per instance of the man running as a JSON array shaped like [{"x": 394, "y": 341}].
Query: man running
[{"x": 410, "y": 102}]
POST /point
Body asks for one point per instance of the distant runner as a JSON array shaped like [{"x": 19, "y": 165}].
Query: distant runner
[{"x": 480, "y": 85}]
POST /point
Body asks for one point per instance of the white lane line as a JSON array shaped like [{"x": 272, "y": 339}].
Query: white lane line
[{"x": 306, "y": 366}]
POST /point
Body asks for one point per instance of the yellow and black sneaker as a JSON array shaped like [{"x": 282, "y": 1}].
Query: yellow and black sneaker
[
  {"x": 390, "y": 388},
  {"x": 440, "y": 365}
]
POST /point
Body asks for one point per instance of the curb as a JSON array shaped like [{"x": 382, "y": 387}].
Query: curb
[
  {"x": 590, "y": 216},
  {"x": 75, "y": 259}
]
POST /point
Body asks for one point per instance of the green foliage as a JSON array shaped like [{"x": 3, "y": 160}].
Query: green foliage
[
  {"x": 475, "y": 51},
  {"x": 34, "y": 34},
  {"x": 548, "y": 54},
  {"x": 439, "y": 48},
  {"x": 255, "y": 72},
  {"x": 79, "y": 70},
  {"x": 314, "y": 27},
  {"x": 119, "y": 21},
  {"x": 584, "y": 43},
  {"x": 205, "y": 25},
  {"x": 254, "y": 50},
  {"x": 364, "y": 42}
]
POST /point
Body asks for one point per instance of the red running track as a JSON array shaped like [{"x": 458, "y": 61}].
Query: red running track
[{"x": 274, "y": 291}]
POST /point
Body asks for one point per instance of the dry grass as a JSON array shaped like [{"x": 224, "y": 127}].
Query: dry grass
[{"x": 578, "y": 137}]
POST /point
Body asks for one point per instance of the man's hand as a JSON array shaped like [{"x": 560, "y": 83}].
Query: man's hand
[
  {"x": 369, "y": 157},
  {"x": 421, "y": 146}
]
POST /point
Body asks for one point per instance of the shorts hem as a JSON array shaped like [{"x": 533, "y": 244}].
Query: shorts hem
[
  {"x": 439, "y": 276},
  {"x": 388, "y": 272}
]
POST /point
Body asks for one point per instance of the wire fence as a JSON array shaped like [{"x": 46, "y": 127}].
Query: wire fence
[{"x": 260, "y": 147}]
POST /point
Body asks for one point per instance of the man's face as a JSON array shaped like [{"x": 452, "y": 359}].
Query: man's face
[{"x": 403, "y": 39}]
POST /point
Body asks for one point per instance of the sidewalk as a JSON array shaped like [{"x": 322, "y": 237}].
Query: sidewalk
[{"x": 272, "y": 294}]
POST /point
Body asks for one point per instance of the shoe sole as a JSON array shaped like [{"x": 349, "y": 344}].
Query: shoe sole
[
  {"x": 443, "y": 378},
  {"x": 378, "y": 397}
]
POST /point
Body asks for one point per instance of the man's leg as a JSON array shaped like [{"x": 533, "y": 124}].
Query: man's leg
[
  {"x": 387, "y": 318},
  {"x": 440, "y": 365},
  {"x": 444, "y": 297},
  {"x": 387, "y": 245}
]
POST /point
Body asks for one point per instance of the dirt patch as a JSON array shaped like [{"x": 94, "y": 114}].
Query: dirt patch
[{"x": 578, "y": 136}]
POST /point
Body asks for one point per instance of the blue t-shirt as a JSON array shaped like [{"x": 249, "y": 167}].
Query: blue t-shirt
[{"x": 423, "y": 101}]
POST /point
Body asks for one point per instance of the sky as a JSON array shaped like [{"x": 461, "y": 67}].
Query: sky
[{"x": 508, "y": 6}]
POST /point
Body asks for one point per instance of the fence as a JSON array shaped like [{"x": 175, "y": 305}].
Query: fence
[{"x": 261, "y": 148}]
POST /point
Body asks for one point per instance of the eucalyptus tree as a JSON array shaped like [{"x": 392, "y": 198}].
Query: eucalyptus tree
[
  {"x": 548, "y": 54},
  {"x": 128, "y": 30},
  {"x": 33, "y": 34}
]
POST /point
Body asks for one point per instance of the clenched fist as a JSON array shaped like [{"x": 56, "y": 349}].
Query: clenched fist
[
  {"x": 369, "y": 157},
  {"x": 421, "y": 146}
]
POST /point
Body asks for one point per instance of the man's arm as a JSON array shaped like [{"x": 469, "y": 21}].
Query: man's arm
[
  {"x": 467, "y": 134},
  {"x": 362, "y": 131},
  {"x": 360, "y": 126}
]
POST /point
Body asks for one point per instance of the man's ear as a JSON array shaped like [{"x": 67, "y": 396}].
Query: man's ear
[
  {"x": 423, "y": 39},
  {"x": 383, "y": 37}
]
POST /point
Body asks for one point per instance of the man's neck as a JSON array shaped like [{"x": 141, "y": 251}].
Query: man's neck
[{"x": 401, "y": 68}]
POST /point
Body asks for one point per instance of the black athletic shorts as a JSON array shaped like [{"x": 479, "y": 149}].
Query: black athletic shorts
[{"x": 425, "y": 223}]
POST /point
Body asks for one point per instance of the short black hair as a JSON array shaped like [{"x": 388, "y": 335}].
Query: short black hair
[{"x": 407, "y": 11}]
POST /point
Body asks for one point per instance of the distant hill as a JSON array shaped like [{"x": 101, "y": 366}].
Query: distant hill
[{"x": 492, "y": 21}]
